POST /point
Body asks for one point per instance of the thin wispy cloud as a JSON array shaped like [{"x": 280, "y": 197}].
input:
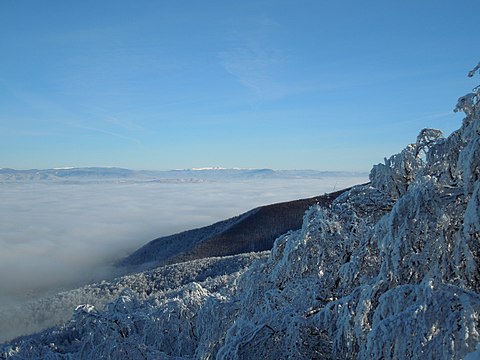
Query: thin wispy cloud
[
  {"x": 123, "y": 123},
  {"x": 438, "y": 115},
  {"x": 253, "y": 68},
  {"x": 107, "y": 132},
  {"x": 39, "y": 103},
  {"x": 60, "y": 116},
  {"x": 255, "y": 62},
  {"x": 117, "y": 124}
]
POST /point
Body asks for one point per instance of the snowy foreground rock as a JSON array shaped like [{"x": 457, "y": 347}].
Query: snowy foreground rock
[{"x": 389, "y": 271}]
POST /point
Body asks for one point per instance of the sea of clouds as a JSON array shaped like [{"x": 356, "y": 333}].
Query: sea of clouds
[{"x": 59, "y": 235}]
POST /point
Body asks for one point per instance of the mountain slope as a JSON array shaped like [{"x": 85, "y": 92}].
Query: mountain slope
[{"x": 255, "y": 230}]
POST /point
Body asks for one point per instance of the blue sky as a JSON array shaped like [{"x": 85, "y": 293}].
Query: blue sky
[{"x": 328, "y": 85}]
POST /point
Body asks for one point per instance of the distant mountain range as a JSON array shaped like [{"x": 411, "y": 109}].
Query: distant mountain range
[{"x": 195, "y": 174}]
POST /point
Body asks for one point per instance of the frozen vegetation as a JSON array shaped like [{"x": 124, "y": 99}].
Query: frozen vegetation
[
  {"x": 51, "y": 310},
  {"x": 388, "y": 271}
]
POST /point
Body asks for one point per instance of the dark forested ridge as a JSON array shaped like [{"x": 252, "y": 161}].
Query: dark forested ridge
[{"x": 255, "y": 230}]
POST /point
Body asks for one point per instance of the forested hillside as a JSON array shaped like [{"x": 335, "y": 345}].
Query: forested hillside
[{"x": 253, "y": 231}]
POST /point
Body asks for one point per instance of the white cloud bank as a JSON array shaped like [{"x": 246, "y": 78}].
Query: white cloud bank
[{"x": 55, "y": 236}]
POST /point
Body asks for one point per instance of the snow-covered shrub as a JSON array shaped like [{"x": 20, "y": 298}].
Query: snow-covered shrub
[{"x": 400, "y": 170}]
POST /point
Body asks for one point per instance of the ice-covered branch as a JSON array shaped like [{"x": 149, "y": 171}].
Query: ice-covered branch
[
  {"x": 474, "y": 70},
  {"x": 469, "y": 103}
]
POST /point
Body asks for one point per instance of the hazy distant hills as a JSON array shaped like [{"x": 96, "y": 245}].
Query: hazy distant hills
[
  {"x": 65, "y": 174},
  {"x": 253, "y": 231},
  {"x": 181, "y": 175}
]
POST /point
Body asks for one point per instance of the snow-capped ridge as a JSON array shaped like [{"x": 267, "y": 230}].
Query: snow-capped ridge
[
  {"x": 208, "y": 168},
  {"x": 116, "y": 174}
]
